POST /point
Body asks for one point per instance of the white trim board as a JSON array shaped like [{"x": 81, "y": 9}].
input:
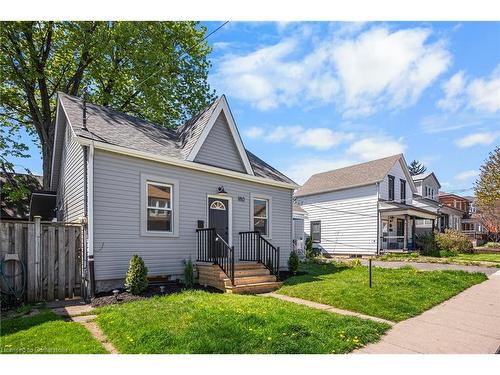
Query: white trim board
[
  {"x": 222, "y": 106},
  {"x": 269, "y": 199},
  {"x": 183, "y": 163},
  {"x": 175, "y": 205}
]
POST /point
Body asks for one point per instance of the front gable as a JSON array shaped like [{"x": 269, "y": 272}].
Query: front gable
[
  {"x": 220, "y": 144},
  {"x": 400, "y": 172},
  {"x": 219, "y": 148}
]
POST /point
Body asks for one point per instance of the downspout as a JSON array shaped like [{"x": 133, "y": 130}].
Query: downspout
[{"x": 88, "y": 162}]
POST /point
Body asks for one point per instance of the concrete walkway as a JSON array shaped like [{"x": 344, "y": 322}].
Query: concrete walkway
[
  {"x": 79, "y": 312},
  {"x": 320, "y": 306},
  {"x": 468, "y": 323},
  {"x": 431, "y": 266}
]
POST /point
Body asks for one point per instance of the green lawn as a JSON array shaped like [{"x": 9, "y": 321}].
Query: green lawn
[
  {"x": 199, "y": 322},
  {"x": 476, "y": 259},
  {"x": 46, "y": 333},
  {"x": 397, "y": 294},
  {"x": 492, "y": 257}
]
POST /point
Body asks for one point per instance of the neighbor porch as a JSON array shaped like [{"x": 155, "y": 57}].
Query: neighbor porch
[{"x": 397, "y": 230}]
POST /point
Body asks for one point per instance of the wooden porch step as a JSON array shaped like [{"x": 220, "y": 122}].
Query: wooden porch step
[
  {"x": 254, "y": 288},
  {"x": 250, "y": 277},
  {"x": 250, "y": 280}
]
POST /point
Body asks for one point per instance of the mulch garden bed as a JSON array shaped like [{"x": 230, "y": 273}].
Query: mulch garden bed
[{"x": 103, "y": 299}]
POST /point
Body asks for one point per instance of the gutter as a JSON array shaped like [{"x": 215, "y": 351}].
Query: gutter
[{"x": 182, "y": 163}]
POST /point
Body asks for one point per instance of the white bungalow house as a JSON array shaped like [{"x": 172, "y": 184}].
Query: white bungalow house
[
  {"x": 427, "y": 196},
  {"x": 362, "y": 209},
  {"x": 169, "y": 195}
]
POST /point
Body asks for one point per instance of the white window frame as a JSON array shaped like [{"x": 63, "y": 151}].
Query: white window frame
[
  {"x": 174, "y": 205},
  {"x": 269, "y": 211}
]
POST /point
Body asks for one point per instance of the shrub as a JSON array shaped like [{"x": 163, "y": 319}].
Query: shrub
[
  {"x": 293, "y": 262},
  {"x": 454, "y": 241},
  {"x": 427, "y": 245},
  {"x": 137, "y": 276},
  {"x": 188, "y": 273}
]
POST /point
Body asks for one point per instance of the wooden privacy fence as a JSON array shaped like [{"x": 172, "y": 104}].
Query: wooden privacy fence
[{"x": 51, "y": 253}]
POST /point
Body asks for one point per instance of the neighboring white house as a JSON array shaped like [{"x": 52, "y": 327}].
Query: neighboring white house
[
  {"x": 427, "y": 197},
  {"x": 167, "y": 194},
  {"x": 362, "y": 209}
]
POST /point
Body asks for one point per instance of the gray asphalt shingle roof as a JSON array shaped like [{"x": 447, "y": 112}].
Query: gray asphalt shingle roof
[
  {"x": 110, "y": 126},
  {"x": 355, "y": 175}
]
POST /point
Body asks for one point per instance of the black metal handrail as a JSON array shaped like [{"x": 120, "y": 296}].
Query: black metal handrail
[
  {"x": 254, "y": 247},
  {"x": 212, "y": 248}
]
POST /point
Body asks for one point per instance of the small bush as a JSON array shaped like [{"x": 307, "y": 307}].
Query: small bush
[
  {"x": 427, "y": 245},
  {"x": 137, "y": 276},
  {"x": 188, "y": 274},
  {"x": 293, "y": 262},
  {"x": 454, "y": 241}
]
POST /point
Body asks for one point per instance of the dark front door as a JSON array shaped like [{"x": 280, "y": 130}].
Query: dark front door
[{"x": 218, "y": 216}]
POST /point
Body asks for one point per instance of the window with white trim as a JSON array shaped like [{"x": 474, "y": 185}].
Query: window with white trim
[
  {"x": 159, "y": 215},
  {"x": 261, "y": 216}
]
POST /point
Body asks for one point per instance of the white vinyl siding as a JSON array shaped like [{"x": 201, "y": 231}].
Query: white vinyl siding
[
  {"x": 397, "y": 172},
  {"x": 117, "y": 184},
  {"x": 348, "y": 219}
]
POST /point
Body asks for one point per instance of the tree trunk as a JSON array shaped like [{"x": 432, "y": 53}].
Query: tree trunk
[{"x": 47, "y": 148}]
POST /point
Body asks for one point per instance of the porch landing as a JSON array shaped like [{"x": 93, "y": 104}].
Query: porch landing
[{"x": 249, "y": 278}]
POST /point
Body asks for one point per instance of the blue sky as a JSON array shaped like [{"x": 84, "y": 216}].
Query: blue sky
[{"x": 314, "y": 96}]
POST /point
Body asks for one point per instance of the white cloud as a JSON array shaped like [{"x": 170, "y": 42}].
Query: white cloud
[
  {"x": 484, "y": 94},
  {"x": 466, "y": 175},
  {"x": 383, "y": 68},
  {"x": 268, "y": 78},
  {"x": 317, "y": 138},
  {"x": 453, "y": 89},
  {"x": 359, "y": 71},
  {"x": 254, "y": 132},
  {"x": 301, "y": 170},
  {"x": 376, "y": 147},
  {"x": 479, "y": 94},
  {"x": 474, "y": 139}
]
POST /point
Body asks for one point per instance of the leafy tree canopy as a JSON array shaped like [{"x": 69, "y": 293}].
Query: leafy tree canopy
[
  {"x": 416, "y": 167},
  {"x": 487, "y": 190},
  {"x": 153, "y": 70}
]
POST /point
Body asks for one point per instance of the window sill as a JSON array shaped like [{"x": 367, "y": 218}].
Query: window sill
[{"x": 159, "y": 234}]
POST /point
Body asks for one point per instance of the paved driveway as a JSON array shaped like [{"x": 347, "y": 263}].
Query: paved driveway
[
  {"x": 431, "y": 266},
  {"x": 466, "y": 323}
]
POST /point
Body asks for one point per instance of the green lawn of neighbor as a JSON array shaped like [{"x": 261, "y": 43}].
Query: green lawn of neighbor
[
  {"x": 200, "y": 322},
  {"x": 46, "y": 333},
  {"x": 397, "y": 294},
  {"x": 492, "y": 257}
]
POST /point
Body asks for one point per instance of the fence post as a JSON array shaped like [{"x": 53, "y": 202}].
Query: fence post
[{"x": 38, "y": 252}]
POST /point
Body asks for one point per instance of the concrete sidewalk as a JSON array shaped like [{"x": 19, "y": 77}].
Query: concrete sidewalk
[{"x": 467, "y": 323}]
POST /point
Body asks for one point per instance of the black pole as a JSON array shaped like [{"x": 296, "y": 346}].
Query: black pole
[{"x": 370, "y": 267}]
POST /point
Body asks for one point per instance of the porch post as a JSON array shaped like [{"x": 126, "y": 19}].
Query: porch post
[
  {"x": 405, "y": 243},
  {"x": 433, "y": 224}
]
